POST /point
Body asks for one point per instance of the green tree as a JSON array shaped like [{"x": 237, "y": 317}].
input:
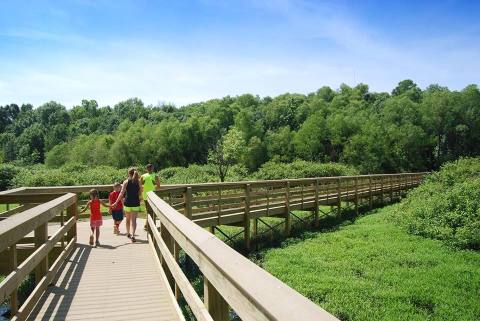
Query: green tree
[
  {"x": 227, "y": 152},
  {"x": 279, "y": 144},
  {"x": 310, "y": 140}
]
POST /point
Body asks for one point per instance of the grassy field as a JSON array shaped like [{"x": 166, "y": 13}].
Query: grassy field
[{"x": 373, "y": 270}]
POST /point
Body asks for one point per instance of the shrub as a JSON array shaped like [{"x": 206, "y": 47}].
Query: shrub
[
  {"x": 447, "y": 205},
  {"x": 7, "y": 173},
  {"x": 200, "y": 174},
  {"x": 68, "y": 175},
  {"x": 302, "y": 169},
  {"x": 41, "y": 176}
]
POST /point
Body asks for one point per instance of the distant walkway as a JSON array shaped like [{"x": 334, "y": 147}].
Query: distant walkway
[{"x": 116, "y": 281}]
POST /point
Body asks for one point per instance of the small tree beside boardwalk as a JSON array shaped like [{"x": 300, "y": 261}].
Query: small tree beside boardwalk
[{"x": 227, "y": 152}]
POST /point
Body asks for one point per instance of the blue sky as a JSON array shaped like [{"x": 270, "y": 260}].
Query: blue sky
[{"x": 188, "y": 51}]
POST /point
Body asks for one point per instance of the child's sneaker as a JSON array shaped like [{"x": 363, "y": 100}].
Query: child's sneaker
[
  {"x": 97, "y": 243},
  {"x": 91, "y": 240},
  {"x": 133, "y": 239}
]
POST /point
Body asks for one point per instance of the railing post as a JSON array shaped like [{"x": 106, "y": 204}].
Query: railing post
[
  {"x": 246, "y": 225},
  {"x": 316, "y": 209},
  {"x": 150, "y": 213},
  {"x": 339, "y": 196},
  {"x": 62, "y": 222},
  {"x": 169, "y": 242},
  {"x": 215, "y": 303},
  {"x": 356, "y": 195},
  {"x": 381, "y": 186},
  {"x": 370, "y": 195},
  {"x": 287, "y": 209},
  {"x": 176, "y": 255},
  {"x": 72, "y": 212},
  {"x": 41, "y": 236},
  {"x": 188, "y": 202},
  {"x": 13, "y": 267},
  {"x": 391, "y": 188}
]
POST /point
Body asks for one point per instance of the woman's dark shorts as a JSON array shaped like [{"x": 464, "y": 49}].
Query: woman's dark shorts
[{"x": 117, "y": 215}]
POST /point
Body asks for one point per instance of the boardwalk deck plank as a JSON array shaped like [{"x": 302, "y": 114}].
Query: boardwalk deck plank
[{"x": 115, "y": 281}]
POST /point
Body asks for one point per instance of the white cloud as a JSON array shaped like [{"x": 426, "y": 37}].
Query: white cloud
[{"x": 116, "y": 70}]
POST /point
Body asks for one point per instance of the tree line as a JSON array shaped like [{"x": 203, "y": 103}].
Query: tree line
[{"x": 409, "y": 129}]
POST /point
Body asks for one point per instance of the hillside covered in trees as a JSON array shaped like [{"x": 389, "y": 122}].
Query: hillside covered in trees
[{"x": 409, "y": 129}]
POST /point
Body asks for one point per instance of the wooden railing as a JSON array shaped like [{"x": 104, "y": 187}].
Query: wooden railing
[
  {"x": 176, "y": 218},
  {"x": 230, "y": 279},
  {"x": 245, "y": 203},
  {"x": 15, "y": 239}
]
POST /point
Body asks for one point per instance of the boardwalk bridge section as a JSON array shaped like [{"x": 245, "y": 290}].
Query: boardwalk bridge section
[{"x": 42, "y": 235}]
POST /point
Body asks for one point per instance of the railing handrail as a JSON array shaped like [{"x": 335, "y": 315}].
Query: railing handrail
[
  {"x": 15, "y": 227},
  {"x": 239, "y": 184},
  {"x": 36, "y": 219},
  {"x": 253, "y": 293}
]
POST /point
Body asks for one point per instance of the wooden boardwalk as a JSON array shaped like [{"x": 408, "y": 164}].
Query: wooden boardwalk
[
  {"x": 123, "y": 281},
  {"x": 116, "y": 281}
]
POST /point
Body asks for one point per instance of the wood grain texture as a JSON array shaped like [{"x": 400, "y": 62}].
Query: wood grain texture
[{"x": 115, "y": 281}]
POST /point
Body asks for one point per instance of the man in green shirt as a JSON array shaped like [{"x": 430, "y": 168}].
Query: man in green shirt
[{"x": 150, "y": 182}]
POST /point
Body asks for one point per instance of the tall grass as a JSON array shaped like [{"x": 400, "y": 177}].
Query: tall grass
[{"x": 375, "y": 270}]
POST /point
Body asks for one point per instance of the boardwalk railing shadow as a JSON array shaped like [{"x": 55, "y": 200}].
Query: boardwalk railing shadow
[{"x": 64, "y": 292}]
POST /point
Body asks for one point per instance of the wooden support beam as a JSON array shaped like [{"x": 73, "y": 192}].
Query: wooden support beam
[
  {"x": 246, "y": 222},
  {"x": 214, "y": 302},
  {"x": 169, "y": 241},
  {"x": 72, "y": 212},
  {"x": 339, "y": 196},
  {"x": 13, "y": 266},
  {"x": 41, "y": 236},
  {"x": 391, "y": 188},
  {"x": 356, "y": 195},
  {"x": 381, "y": 189},
  {"x": 287, "y": 209},
  {"x": 62, "y": 220},
  {"x": 316, "y": 209},
  {"x": 370, "y": 194},
  {"x": 188, "y": 202},
  {"x": 176, "y": 255}
]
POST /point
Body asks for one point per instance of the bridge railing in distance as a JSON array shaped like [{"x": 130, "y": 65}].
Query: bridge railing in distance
[
  {"x": 230, "y": 279},
  {"x": 14, "y": 231},
  {"x": 245, "y": 203}
]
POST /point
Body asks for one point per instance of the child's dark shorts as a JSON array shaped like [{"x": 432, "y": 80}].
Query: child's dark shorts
[{"x": 117, "y": 215}]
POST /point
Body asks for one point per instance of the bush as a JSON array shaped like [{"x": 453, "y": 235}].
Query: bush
[
  {"x": 447, "y": 205},
  {"x": 78, "y": 174},
  {"x": 302, "y": 169},
  {"x": 7, "y": 173},
  {"x": 200, "y": 174},
  {"x": 68, "y": 175}
]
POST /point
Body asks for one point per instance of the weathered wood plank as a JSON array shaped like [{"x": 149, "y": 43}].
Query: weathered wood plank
[
  {"x": 16, "y": 227},
  {"x": 246, "y": 287}
]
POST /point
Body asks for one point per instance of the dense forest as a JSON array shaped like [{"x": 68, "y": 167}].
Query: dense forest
[{"x": 409, "y": 129}]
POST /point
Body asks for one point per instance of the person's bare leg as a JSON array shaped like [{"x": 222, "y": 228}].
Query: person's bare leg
[
  {"x": 92, "y": 229},
  {"x": 127, "y": 222},
  {"x": 134, "y": 224},
  {"x": 97, "y": 234}
]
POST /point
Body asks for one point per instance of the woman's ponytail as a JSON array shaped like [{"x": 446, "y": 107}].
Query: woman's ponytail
[{"x": 136, "y": 177}]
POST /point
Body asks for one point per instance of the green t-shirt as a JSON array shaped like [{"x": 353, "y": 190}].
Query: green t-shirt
[{"x": 148, "y": 183}]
